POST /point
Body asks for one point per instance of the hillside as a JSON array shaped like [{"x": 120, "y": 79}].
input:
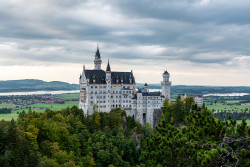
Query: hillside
[
  {"x": 38, "y": 85},
  {"x": 34, "y": 85},
  {"x": 194, "y": 90}
]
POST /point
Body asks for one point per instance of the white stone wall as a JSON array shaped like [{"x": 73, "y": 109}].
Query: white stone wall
[
  {"x": 109, "y": 96},
  {"x": 166, "y": 84}
]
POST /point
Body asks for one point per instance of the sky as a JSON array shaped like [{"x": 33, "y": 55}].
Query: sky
[{"x": 199, "y": 42}]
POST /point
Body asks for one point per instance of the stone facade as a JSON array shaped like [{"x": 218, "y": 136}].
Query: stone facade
[{"x": 108, "y": 89}]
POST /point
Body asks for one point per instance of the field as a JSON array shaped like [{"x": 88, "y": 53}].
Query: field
[
  {"x": 34, "y": 107},
  {"x": 247, "y": 121},
  {"x": 222, "y": 107},
  {"x": 69, "y": 95},
  {"x": 225, "y": 103}
]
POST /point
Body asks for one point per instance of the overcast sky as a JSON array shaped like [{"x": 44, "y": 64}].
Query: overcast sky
[{"x": 199, "y": 42}]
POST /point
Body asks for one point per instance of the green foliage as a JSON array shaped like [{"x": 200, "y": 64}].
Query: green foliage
[
  {"x": 189, "y": 136},
  {"x": 68, "y": 138},
  {"x": 186, "y": 135},
  {"x": 15, "y": 147}
]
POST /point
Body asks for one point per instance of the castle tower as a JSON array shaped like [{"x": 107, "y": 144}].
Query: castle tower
[
  {"x": 108, "y": 87},
  {"x": 165, "y": 85},
  {"x": 98, "y": 60},
  {"x": 83, "y": 103},
  {"x": 145, "y": 89}
]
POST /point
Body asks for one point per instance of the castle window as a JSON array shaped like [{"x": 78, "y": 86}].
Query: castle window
[
  {"x": 119, "y": 87},
  {"x": 114, "y": 86},
  {"x": 91, "y": 86},
  {"x": 95, "y": 86}
]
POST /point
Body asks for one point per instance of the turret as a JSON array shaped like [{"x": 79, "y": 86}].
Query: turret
[
  {"x": 108, "y": 87},
  {"x": 83, "y": 79},
  {"x": 145, "y": 89},
  {"x": 165, "y": 85},
  {"x": 97, "y": 61},
  {"x": 108, "y": 72},
  {"x": 83, "y": 91}
]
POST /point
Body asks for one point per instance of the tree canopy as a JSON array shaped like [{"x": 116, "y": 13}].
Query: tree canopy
[{"x": 186, "y": 135}]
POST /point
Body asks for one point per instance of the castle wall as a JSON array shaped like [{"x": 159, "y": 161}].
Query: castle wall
[{"x": 109, "y": 90}]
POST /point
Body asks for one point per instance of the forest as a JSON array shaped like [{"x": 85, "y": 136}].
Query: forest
[{"x": 186, "y": 135}]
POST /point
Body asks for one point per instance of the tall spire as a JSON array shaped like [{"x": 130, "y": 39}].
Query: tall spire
[
  {"x": 108, "y": 67},
  {"x": 97, "y": 54},
  {"x": 97, "y": 61}
]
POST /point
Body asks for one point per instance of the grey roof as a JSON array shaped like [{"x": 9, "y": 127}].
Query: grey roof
[
  {"x": 147, "y": 94},
  {"x": 97, "y": 53},
  {"x": 166, "y": 72},
  {"x": 108, "y": 67},
  {"x": 100, "y": 77},
  {"x": 139, "y": 90},
  {"x": 122, "y": 77},
  {"x": 151, "y": 93}
]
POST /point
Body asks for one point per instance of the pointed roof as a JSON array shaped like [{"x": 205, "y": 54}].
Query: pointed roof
[
  {"x": 108, "y": 67},
  {"x": 97, "y": 53},
  {"x": 165, "y": 72},
  {"x": 100, "y": 75}
]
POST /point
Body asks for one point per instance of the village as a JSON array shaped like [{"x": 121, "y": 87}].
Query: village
[{"x": 17, "y": 102}]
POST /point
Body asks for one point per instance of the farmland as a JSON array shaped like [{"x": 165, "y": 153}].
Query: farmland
[{"x": 68, "y": 100}]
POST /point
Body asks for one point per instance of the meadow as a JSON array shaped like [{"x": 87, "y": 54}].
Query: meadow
[
  {"x": 34, "y": 107},
  {"x": 247, "y": 121}
]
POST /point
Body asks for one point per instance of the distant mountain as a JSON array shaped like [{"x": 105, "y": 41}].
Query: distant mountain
[
  {"x": 35, "y": 85},
  {"x": 200, "y": 90},
  {"x": 39, "y": 85}
]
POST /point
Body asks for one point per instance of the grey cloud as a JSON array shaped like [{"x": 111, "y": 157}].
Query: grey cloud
[
  {"x": 186, "y": 30},
  {"x": 229, "y": 11}
]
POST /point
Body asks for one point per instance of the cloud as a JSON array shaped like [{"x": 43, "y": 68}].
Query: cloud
[{"x": 198, "y": 33}]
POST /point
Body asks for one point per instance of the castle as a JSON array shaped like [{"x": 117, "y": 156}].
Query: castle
[{"x": 106, "y": 90}]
